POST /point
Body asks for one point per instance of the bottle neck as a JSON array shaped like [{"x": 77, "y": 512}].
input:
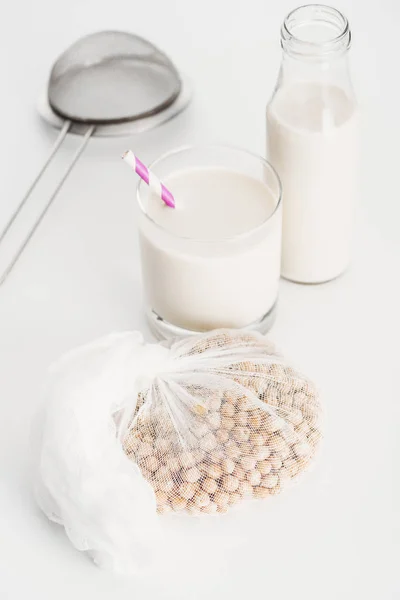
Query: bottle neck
[
  {"x": 315, "y": 40},
  {"x": 315, "y": 33},
  {"x": 336, "y": 68}
]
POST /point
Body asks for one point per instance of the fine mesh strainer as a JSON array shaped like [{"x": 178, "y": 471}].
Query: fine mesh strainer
[{"x": 104, "y": 80}]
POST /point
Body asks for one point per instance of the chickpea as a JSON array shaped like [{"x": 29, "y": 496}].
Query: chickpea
[
  {"x": 239, "y": 473},
  {"x": 261, "y": 452},
  {"x": 214, "y": 419},
  {"x": 254, "y": 478},
  {"x": 230, "y": 483},
  {"x": 221, "y": 498},
  {"x": 254, "y": 419},
  {"x": 161, "y": 498},
  {"x": 269, "y": 481},
  {"x": 222, "y": 435},
  {"x": 245, "y": 488},
  {"x": 201, "y": 499},
  {"x": 210, "y": 508},
  {"x": 264, "y": 467},
  {"x": 248, "y": 463},
  {"x": 241, "y": 434},
  {"x": 191, "y": 475},
  {"x": 227, "y": 423},
  {"x": 209, "y": 485},
  {"x": 257, "y": 439},
  {"x": 186, "y": 460},
  {"x": 187, "y": 490},
  {"x": 232, "y": 450},
  {"x": 241, "y": 418},
  {"x": 208, "y": 442},
  {"x": 213, "y": 471},
  {"x": 235, "y": 497},
  {"x": 260, "y": 492},
  {"x": 228, "y": 466},
  {"x": 178, "y": 503},
  {"x": 227, "y": 410}
]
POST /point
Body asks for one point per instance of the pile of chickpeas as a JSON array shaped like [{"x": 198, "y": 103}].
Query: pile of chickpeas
[{"x": 219, "y": 446}]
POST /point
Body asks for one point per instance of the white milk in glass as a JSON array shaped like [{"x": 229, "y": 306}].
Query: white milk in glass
[{"x": 214, "y": 260}]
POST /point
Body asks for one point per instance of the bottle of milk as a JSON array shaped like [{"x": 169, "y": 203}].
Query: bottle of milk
[{"x": 312, "y": 140}]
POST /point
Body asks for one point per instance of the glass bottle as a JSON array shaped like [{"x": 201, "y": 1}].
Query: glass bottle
[{"x": 312, "y": 141}]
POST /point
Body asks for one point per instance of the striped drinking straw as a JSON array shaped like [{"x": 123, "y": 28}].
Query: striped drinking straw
[{"x": 152, "y": 181}]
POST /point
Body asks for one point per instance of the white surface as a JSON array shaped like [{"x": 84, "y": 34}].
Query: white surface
[{"x": 333, "y": 536}]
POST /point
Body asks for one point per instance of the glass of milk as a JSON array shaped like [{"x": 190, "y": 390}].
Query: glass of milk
[
  {"x": 213, "y": 260},
  {"x": 312, "y": 139}
]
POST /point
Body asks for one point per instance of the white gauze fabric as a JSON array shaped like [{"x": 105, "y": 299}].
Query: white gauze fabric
[
  {"x": 85, "y": 481},
  {"x": 196, "y": 426}
]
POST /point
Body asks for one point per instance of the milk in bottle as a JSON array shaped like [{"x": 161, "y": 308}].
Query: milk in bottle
[{"x": 312, "y": 141}]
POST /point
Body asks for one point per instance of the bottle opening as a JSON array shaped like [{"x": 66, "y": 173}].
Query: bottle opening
[{"x": 314, "y": 30}]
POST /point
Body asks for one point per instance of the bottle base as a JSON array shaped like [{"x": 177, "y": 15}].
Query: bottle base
[
  {"x": 163, "y": 330},
  {"x": 314, "y": 282}
]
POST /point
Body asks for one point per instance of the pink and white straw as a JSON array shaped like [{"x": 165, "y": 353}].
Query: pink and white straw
[{"x": 152, "y": 181}]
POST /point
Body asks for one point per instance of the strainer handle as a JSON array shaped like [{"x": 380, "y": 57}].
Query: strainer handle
[
  {"x": 36, "y": 224},
  {"x": 53, "y": 151}
]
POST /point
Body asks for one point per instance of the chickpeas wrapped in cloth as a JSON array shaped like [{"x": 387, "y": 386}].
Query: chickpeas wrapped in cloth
[
  {"x": 226, "y": 420},
  {"x": 196, "y": 425}
]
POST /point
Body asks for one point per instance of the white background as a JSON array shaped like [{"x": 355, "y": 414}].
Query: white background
[{"x": 334, "y": 535}]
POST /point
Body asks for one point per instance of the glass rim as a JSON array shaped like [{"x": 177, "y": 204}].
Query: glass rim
[
  {"x": 331, "y": 43},
  {"x": 185, "y": 148}
]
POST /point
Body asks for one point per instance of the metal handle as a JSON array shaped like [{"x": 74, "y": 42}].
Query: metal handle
[
  {"x": 53, "y": 151},
  {"x": 30, "y": 234}
]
